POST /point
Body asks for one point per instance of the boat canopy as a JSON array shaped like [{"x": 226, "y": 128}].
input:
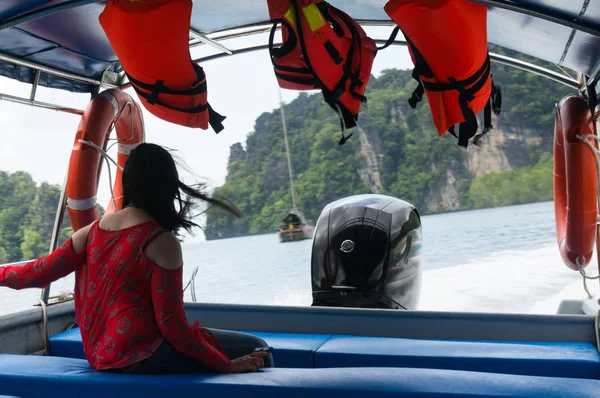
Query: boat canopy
[
  {"x": 294, "y": 216},
  {"x": 60, "y": 43}
]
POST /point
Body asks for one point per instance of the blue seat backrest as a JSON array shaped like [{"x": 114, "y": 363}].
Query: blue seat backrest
[
  {"x": 67, "y": 344},
  {"x": 290, "y": 350},
  {"x": 293, "y": 350},
  {"x": 56, "y": 377},
  {"x": 541, "y": 359}
]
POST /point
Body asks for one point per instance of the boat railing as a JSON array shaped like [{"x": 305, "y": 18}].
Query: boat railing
[
  {"x": 59, "y": 298},
  {"x": 16, "y": 263},
  {"x": 192, "y": 284}
]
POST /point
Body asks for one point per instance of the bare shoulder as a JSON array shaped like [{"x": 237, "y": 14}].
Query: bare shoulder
[
  {"x": 165, "y": 251},
  {"x": 79, "y": 238}
]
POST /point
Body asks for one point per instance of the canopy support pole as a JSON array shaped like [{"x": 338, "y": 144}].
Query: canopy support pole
[
  {"x": 209, "y": 41},
  {"x": 39, "y": 104},
  {"x": 58, "y": 222},
  {"x": 34, "y": 86}
]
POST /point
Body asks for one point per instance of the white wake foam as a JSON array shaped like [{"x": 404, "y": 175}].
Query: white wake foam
[{"x": 532, "y": 281}]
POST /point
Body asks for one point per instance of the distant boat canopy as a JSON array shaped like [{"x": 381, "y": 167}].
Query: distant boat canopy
[
  {"x": 293, "y": 218},
  {"x": 294, "y": 226}
]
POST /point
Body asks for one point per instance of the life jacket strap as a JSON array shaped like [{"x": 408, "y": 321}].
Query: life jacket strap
[
  {"x": 159, "y": 88},
  {"x": 466, "y": 89},
  {"x": 325, "y": 9},
  {"x": 355, "y": 81},
  {"x": 305, "y": 81},
  {"x": 358, "y": 96},
  {"x": 215, "y": 119},
  {"x": 346, "y": 119},
  {"x": 476, "y": 81},
  {"x": 391, "y": 39},
  {"x": 422, "y": 69},
  {"x": 286, "y": 47},
  {"x": 493, "y": 106},
  {"x": 417, "y": 94},
  {"x": 333, "y": 52},
  {"x": 468, "y": 129}
]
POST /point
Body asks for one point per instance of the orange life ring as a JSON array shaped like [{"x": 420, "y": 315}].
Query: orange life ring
[
  {"x": 108, "y": 107},
  {"x": 575, "y": 182}
]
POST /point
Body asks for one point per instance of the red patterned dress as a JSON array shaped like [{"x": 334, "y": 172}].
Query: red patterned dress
[{"x": 125, "y": 304}]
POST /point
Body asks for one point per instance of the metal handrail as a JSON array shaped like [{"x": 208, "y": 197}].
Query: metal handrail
[
  {"x": 192, "y": 283},
  {"x": 16, "y": 263},
  {"x": 53, "y": 71},
  {"x": 61, "y": 297},
  {"x": 39, "y": 104}
]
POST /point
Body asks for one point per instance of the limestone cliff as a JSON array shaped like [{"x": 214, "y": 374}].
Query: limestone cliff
[{"x": 394, "y": 150}]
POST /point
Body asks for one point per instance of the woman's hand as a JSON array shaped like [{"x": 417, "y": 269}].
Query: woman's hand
[{"x": 248, "y": 363}]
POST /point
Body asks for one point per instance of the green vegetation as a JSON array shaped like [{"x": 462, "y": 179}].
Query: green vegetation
[
  {"x": 414, "y": 159},
  {"x": 525, "y": 185},
  {"x": 27, "y": 214},
  {"x": 413, "y": 162}
]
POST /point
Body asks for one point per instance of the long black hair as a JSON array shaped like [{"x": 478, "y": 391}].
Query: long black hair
[{"x": 151, "y": 183}]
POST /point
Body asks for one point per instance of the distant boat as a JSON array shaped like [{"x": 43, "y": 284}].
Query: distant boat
[{"x": 294, "y": 226}]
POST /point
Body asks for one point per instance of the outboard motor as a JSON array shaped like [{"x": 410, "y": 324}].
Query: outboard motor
[{"x": 367, "y": 254}]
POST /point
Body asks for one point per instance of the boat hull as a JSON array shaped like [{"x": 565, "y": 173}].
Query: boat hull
[{"x": 293, "y": 235}]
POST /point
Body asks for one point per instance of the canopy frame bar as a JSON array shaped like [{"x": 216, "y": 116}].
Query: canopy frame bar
[
  {"x": 547, "y": 15},
  {"x": 43, "y": 12},
  {"x": 56, "y": 72},
  {"x": 39, "y": 104},
  {"x": 497, "y": 58},
  {"x": 209, "y": 41},
  {"x": 263, "y": 27}
]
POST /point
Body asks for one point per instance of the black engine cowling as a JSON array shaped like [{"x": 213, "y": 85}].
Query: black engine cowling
[{"x": 367, "y": 253}]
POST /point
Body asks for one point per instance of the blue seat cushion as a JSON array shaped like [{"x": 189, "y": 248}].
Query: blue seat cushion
[
  {"x": 577, "y": 360},
  {"x": 293, "y": 350},
  {"x": 290, "y": 350},
  {"x": 56, "y": 377}
]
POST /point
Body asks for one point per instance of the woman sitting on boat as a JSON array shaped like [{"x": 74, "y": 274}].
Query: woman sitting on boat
[{"x": 128, "y": 281}]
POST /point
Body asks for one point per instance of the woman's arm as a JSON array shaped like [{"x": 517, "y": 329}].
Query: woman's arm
[
  {"x": 167, "y": 298},
  {"x": 41, "y": 272}
]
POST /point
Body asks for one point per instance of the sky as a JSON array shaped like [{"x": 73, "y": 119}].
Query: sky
[{"x": 242, "y": 87}]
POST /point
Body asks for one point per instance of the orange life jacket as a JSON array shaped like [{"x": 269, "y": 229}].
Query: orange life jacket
[
  {"x": 151, "y": 40},
  {"x": 447, "y": 41},
  {"x": 326, "y": 50}
]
